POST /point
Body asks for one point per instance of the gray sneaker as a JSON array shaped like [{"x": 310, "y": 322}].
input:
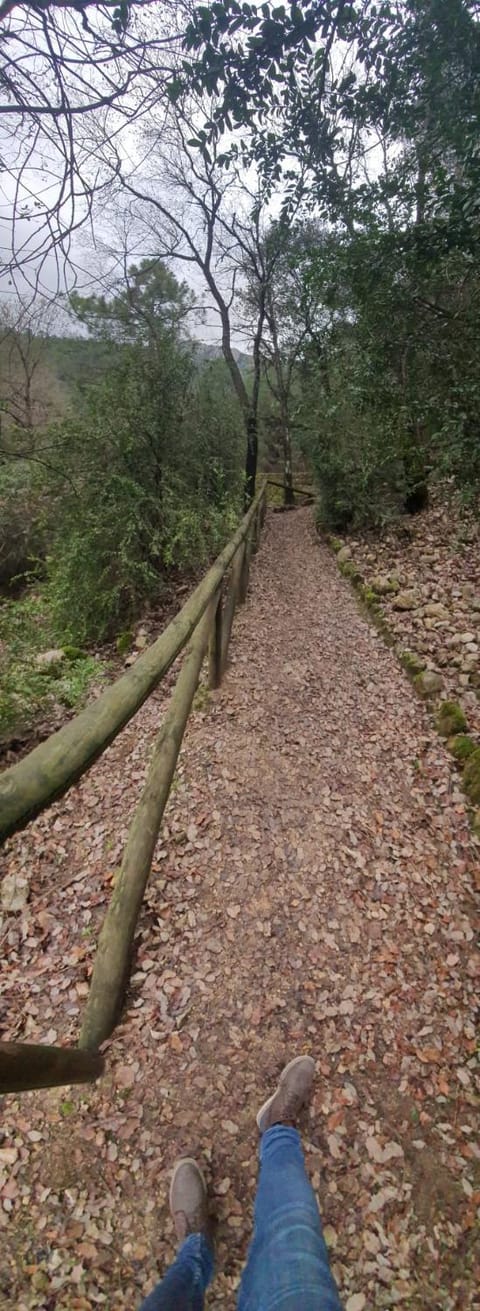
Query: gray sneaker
[
  {"x": 188, "y": 1199},
  {"x": 294, "y": 1090}
]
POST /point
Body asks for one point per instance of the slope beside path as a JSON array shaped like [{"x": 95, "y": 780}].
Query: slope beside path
[{"x": 312, "y": 890}]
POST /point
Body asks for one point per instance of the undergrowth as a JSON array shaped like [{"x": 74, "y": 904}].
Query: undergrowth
[{"x": 28, "y": 689}]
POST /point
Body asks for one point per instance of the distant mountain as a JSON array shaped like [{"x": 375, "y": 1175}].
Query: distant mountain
[{"x": 208, "y": 350}]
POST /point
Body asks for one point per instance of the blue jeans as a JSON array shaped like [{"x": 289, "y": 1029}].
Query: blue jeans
[{"x": 287, "y": 1267}]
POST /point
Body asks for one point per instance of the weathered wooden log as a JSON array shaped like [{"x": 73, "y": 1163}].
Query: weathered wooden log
[
  {"x": 299, "y": 491},
  {"x": 245, "y": 574},
  {"x": 112, "y": 960},
  {"x": 25, "y": 1065},
  {"x": 51, "y": 768},
  {"x": 233, "y": 593},
  {"x": 216, "y": 641}
]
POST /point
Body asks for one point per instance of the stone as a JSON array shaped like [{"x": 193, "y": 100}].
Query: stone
[
  {"x": 412, "y": 662},
  {"x": 435, "y": 610},
  {"x": 344, "y": 554},
  {"x": 464, "y": 638},
  {"x": 428, "y": 682},
  {"x": 14, "y": 892},
  {"x": 469, "y": 663},
  {"x": 46, "y": 660},
  {"x": 384, "y": 586},
  {"x": 357, "y": 1302},
  {"x": 141, "y": 641},
  {"x": 406, "y": 601}
]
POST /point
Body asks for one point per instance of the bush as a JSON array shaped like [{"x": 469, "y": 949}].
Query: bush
[
  {"x": 450, "y": 719},
  {"x": 461, "y": 746},
  {"x": 154, "y": 466},
  {"x": 28, "y": 689},
  {"x": 471, "y": 777}
]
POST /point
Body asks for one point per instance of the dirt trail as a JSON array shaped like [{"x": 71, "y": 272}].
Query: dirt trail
[{"x": 311, "y": 891}]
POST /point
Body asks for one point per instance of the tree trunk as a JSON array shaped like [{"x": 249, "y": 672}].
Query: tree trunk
[
  {"x": 251, "y": 460},
  {"x": 288, "y": 494}
]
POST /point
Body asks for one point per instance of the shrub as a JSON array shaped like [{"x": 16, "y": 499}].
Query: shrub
[
  {"x": 154, "y": 466},
  {"x": 471, "y": 777},
  {"x": 450, "y": 719},
  {"x": 461, "y": 746}
]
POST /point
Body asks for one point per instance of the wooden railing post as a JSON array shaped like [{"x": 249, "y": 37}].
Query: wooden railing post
[
  {"x": 53, "y": 767},
  {"x": 25, "y": 1065},
  {"x": 233, "y": 594},
  {"x": 245, "y": 573},
  {"x": 215, "y": 649},
  {"x": 112, "y": 961}
]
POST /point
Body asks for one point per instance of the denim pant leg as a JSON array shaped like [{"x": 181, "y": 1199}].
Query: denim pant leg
[
  {"x": 287, "y": 1267},
  {"x": 184, "y": 1284}
]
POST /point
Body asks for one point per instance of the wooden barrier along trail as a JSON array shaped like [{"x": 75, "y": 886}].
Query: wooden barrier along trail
[
  {"x": 111, "y": 968},
  {"x": 52, "y": 768},
  {"x": 35, "y": 1065}
]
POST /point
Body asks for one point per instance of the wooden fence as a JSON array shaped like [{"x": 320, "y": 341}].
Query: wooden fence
[{"x": 51, "y": 768}]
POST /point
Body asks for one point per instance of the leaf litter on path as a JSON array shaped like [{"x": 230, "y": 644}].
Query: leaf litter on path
[{"x": 311, "y": 891}]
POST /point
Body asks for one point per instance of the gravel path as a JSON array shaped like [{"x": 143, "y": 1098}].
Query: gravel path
[{"x": 312, "y": 890}]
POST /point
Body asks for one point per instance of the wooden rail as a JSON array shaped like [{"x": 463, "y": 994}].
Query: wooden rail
[
  {"x": 298, "y": 491},
  {"x": 51, "y": 768},
  {"x": 27, "y": 788},
  {"x": 25, "y": 1065}
]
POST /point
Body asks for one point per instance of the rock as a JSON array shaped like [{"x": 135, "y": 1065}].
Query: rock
[
  {"x": 46, "y": 660},
  {"x": 345, "y": 553},
  {"x": 435, "y": 610},
  {"x": 14, "y": 892},
  {"x": 450, "y": 719},
  {"x": 428, "y": 682},
  {"x": 468, "y": 664},
  {"x": 141, "y": 641},
  {"x": 406, "y": 601},
  {"x": 383, "y": 586},
  {"x": 475, "y": 602},
  {"x": 412, "y": 662},
  {"x": 464, "y": 638}
]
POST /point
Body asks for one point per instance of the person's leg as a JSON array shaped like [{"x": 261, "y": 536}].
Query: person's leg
[
  {"x": 183, "y": 1286},
  {"x": 287, "y": 1267}
]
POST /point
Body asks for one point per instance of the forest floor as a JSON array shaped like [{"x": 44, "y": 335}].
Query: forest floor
[
  {"x": 312, "y": 891},
  {"x": 435, "y": 558}
]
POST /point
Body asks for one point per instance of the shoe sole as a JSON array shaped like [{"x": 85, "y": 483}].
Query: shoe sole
[
  {"x": 270, "y": 1100},
  {"x": 184, "y": 1160}
]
